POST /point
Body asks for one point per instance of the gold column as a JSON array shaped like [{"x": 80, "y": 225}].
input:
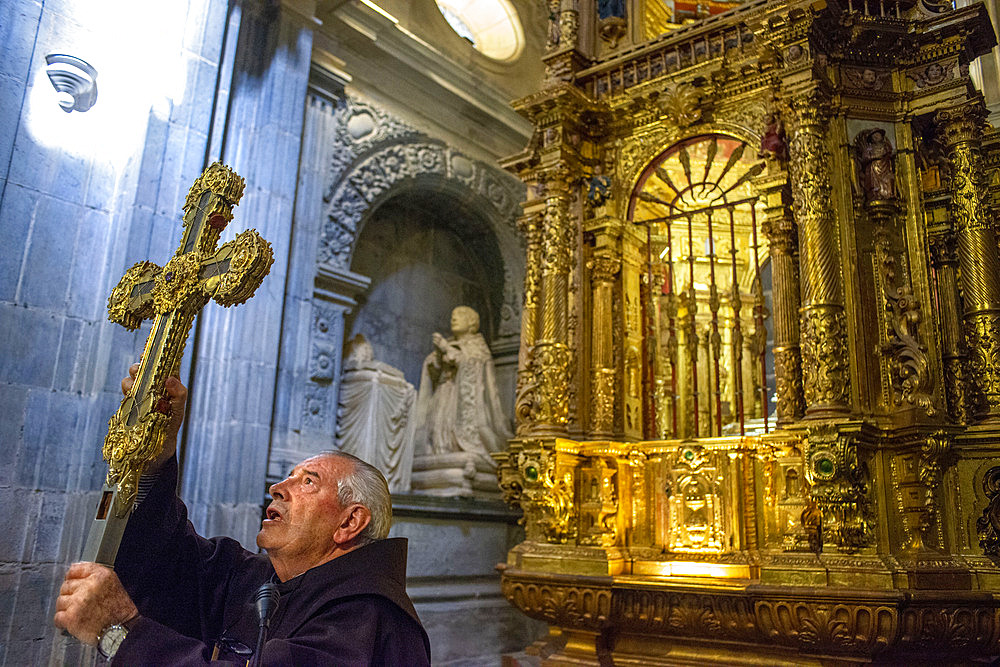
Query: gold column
[
  {"x": 551, "y": 355},
  {"x": 944, "y": 259},
  {"x": 979, "y": 264},
  {"x": 779, "y": 227},
  {"x": 603, "y": 376},
  {"x": 825, "y": 364},
  {"x": 529, "y": 225}
]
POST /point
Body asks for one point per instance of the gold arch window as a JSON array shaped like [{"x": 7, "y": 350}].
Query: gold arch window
[{"x": 708, "y": 271}]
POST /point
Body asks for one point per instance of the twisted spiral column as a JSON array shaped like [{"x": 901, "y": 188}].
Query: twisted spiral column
[
  {"x": 551, "y": 355},
  {"x": 978, "y": 257},
  {"x": 822, "y": 318}
]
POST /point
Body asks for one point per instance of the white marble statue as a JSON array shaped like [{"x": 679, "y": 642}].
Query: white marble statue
[
  {"x": 459, "y": 419},
  {"x": 375, "y": 414}
]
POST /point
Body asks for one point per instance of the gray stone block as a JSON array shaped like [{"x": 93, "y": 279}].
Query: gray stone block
[
  {"x": 13, "y": 401},
  {"x": 28, "y": 340},
  {"x": 49, "y": 527},
  {"x": 17, "y": 208},
  {"x": 17, "y": 522},
  {"x": 87, "y": 295},
  {"x": 51, "y": 440},
  {"x": 45, "y": 276},
  {"x": 18, "y": 27},
  {"x": 68, "y": 352},
  {"x": 11, "y": 99}
]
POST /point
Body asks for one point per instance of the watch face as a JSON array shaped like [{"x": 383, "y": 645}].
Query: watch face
[{"x": 111, "y": 639}]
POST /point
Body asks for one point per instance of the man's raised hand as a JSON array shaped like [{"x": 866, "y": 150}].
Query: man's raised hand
[{"x": 177, "y": 396}]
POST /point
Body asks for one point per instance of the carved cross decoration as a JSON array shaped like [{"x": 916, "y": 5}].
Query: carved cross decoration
[{"x": 173, "y": 295}]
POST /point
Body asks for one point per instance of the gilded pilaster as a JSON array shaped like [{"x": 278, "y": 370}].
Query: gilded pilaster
[
  {"x": 944, "y": 259},
  {"x": 961, "y": 131},
  {"x": 603, "y": 272},
  {"x": 530, "y": 226},
  {"x": 779, "y": 227},
  {"x": 823, "y": 323}
]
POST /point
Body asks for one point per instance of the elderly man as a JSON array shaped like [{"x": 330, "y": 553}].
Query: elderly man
[{"x": 186, "y": 600}]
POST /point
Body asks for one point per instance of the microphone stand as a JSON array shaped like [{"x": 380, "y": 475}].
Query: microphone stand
[{"x": 267, "y": 601}]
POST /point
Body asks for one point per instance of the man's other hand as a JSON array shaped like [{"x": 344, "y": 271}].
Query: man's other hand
[
  {"x": 177, "y": 396},
  {"x": 91, "y": 599}
]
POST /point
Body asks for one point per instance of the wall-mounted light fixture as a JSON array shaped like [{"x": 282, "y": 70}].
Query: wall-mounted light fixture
[{"x": 74, "y": 80}]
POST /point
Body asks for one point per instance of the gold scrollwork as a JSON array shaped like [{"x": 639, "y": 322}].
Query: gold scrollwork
[
  {"x": 824, "y": 356},
  {"x": 603, "y": 400},
  {"x": 177, "y": 283},
  {"x": 551, "y": 365},
  {"x": 988, "y": 524},
  {"x": 839, "y": 486},
  {"x": 131, "y": 300},
  {"x": 250, "y": 258},
  {"x": 220, "y": 180}
]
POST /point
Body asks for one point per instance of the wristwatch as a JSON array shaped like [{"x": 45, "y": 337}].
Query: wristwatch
[{"x": 110, "y": 639}]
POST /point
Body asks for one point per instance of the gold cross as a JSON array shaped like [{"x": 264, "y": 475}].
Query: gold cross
[{"x": 197, "y": 272}]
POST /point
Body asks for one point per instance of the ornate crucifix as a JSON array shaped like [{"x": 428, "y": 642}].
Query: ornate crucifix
[{"x": 197, "y": 272}]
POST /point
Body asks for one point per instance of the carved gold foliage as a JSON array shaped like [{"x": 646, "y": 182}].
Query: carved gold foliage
[
  {"x": 984, "y": 356},
  {"x": 219, "y": 180},
  {"x": 910, "y": 375},
  {"x": 551, "y": 364},
  {"x": 788, "y": 374},
  {"x": 989, "y": 523},
  {"x": 839, "y": 486},
  {"x": 130, "y": 302},
  {"x": 569, "y": 606},
  {"x": 681, "y": 104},
  {"x": 558, "y": 508},
  {"x": 824, "y": 355},
  {"x": 603, "y": 400},
  {"x": 827, "y": 626}
]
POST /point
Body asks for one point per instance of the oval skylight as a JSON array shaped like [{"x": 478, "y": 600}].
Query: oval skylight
[{"x": 491, "y": 26}]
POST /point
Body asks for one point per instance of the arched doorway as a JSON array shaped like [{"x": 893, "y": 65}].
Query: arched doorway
[
  {"x": 707, "y": 353},
  {"x": 425, "y": 253}
]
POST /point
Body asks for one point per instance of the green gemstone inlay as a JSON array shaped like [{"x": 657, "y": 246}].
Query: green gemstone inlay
[
  {"x": 689, "y": 455},
  {"x": 824, "y": 466},
  {"x": 531, "y": 472}
]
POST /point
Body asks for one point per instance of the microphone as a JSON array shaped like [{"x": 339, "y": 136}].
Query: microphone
[{"x": 266, "y": 600}]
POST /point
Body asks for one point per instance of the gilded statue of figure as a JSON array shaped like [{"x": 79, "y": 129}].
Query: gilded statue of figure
[
  {"x": 458, "y": 406},
  {"x": 878, "y": 180}
]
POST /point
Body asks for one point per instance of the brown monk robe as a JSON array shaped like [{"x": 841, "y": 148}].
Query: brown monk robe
[{"x": 188, "y": 600}]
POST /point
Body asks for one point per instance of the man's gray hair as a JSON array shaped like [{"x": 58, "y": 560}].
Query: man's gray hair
[{"x": 365, "y": 485}]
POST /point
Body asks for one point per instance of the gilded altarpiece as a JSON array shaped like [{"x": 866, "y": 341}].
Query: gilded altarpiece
[{"x": 758, "y": 413}]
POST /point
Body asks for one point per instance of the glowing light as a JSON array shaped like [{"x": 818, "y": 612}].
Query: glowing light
[
  {"x": 492, "y": 26},
  {"x": 137, "y": 50}
]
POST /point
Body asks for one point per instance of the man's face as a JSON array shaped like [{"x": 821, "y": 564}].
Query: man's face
[{"x": 305, "y": 513}]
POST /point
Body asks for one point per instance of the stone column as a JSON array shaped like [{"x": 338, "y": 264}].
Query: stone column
[
  {"x": 551, "y": 355},
  {"x": 603, "y": 270},
  {"x": 823, "y": 322},
  {"x": 232, "y": 397},
  {"x": 944, "y": 259},
  {"x": 961, "y": 130},
  {"x": 782, "y": 236}
]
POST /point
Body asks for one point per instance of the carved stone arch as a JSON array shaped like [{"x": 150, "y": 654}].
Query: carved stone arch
[
  {"x": 378, "y": 174},
  {"x": 413, "y": 165}
]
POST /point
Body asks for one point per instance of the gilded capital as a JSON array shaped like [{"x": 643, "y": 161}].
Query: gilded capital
[
  {"x": 962, "y": 123},
  {"x": 603, "y": 269}
]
